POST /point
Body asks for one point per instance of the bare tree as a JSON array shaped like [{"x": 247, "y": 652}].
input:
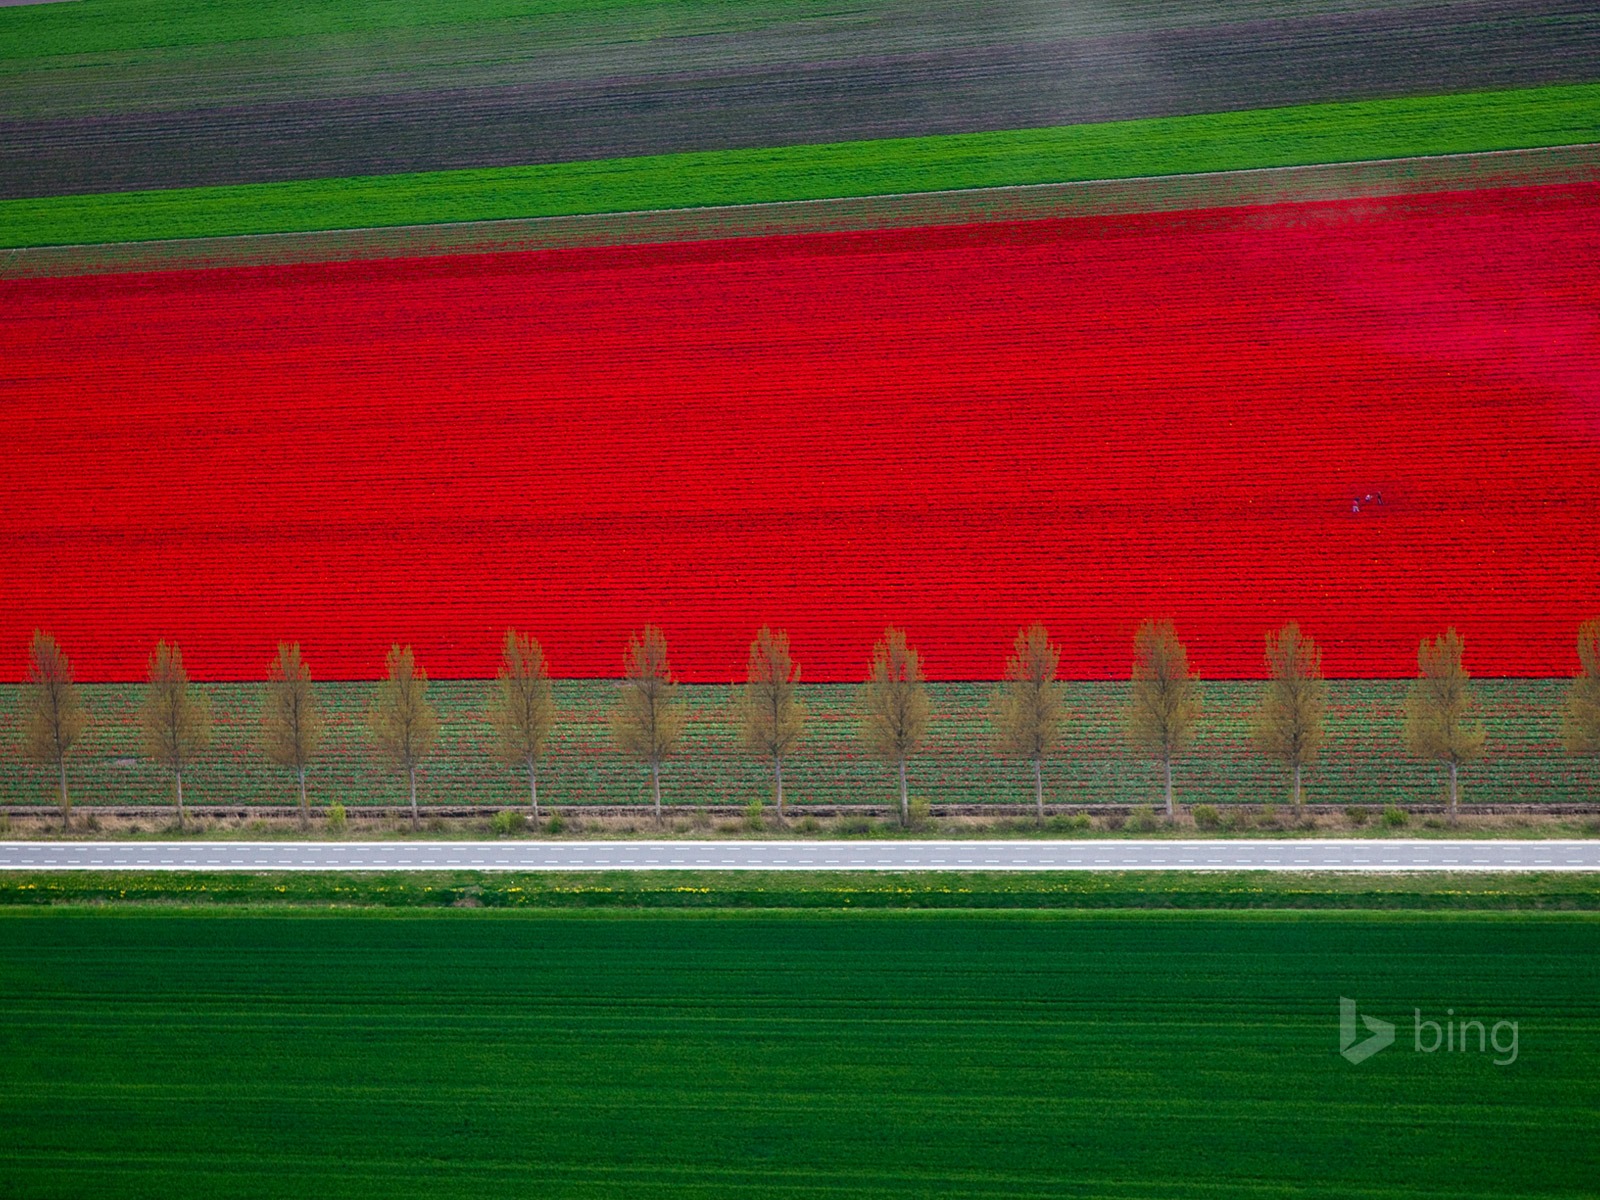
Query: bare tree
[
  {"x": 522, "y": 710},
  {"x": 1030, "y": 708},
  {"x": 176, "y": 718},
  {"x": 291, "y": 718},
  {"x": 1166, "y": 698},
  {"x": 1580, "y": 720},
  {"x": 52, "y": 714},
  {"x": 772, "y": 714},
  {"x": 1290, "y": 724},
  {"x": 896, "y": 707},
  {"x": 1439, "y": 722},
  {"x": 648, "y": 720},
  {"x": 403, "y": 721}
]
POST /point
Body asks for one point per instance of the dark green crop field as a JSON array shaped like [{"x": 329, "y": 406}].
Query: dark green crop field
[
  {"x": 1364, "y": 762},
  {"x": 1318, "y": 133},
  {"x": 788, "y": 1055}
]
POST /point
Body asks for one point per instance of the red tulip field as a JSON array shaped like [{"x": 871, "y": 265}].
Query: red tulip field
[{"x": 1377, "y": 417}]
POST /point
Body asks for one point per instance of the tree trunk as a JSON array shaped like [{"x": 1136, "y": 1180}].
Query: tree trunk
[
  {"x": 1038, "y": 786},
  {"x": 905, "y": 803},
  {"x": 655, "y": 787},
  {"x": 177, "y": 774},
  {"x": 1453, "y": 769},
  {"x": 533, "y": 788},
  {"x": 305, "y": 807},
  {"x": 1297, "y": 787},
  {"x": 1168, "y": 763},
  {"x": 412, "y": 773},
  {"x": 777, "y": 783},
  {"x": 66, "y": 804}
]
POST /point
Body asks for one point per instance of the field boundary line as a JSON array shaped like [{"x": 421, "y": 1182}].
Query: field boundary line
[{"x": 50, "y": 809}]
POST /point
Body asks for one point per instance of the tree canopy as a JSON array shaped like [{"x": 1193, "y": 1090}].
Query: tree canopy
[
  {"x": 176, "y": 718},
  {"x": 896, "y": 708},
  {"x": 772, "y": 717},
  {"x": 53, "y": 718},
  {"x": 1029, "y": 711},
  {"x": 1439, "y": 722},
  {"x": 522, "y": 708},
  {"x": 1290, "y": 725},
  {"x": 1165, "y": 704},
  {"x": 404, "y": 725},
  {"x": 292, "y": 723},
  {"x": 648, "y": 720},
  {"x": 1580, "y": 724}
]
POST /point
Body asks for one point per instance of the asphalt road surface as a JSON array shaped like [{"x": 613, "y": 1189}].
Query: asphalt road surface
[{"x": 1215, "y": 855}]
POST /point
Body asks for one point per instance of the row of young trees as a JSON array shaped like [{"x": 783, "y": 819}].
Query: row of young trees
[{"x": 1028, "y": 710}]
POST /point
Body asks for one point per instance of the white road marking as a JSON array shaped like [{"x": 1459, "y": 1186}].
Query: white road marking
[{"x": 1326, "y": 855}]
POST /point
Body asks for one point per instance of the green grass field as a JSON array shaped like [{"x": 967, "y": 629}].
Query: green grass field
[
  {"x": 785, "y": 1055},
  {"x": 1364, "y": 762},
  {"x": 1522, "y": 118}
]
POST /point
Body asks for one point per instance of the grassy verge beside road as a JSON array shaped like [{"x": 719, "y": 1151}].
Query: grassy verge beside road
[{"x": 851, "y": 890}]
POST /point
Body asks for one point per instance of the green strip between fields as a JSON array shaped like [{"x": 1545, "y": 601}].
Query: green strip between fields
[
  {"x": 808, "y": 890},
  {"x": 1350, "y": 132}
]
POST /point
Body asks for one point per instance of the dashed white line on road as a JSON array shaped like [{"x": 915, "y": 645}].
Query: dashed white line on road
[{"x": 1313, "y": 855}]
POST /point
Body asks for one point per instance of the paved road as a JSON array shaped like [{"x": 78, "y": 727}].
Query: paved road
[{"x": 1308, "y": 855}]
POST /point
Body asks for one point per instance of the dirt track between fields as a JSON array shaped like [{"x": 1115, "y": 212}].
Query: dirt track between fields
[{"x": 1221, "y": 189}]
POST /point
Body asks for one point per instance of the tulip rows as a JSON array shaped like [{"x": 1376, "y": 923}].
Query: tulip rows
[{"x": 1373, "y": 418}]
